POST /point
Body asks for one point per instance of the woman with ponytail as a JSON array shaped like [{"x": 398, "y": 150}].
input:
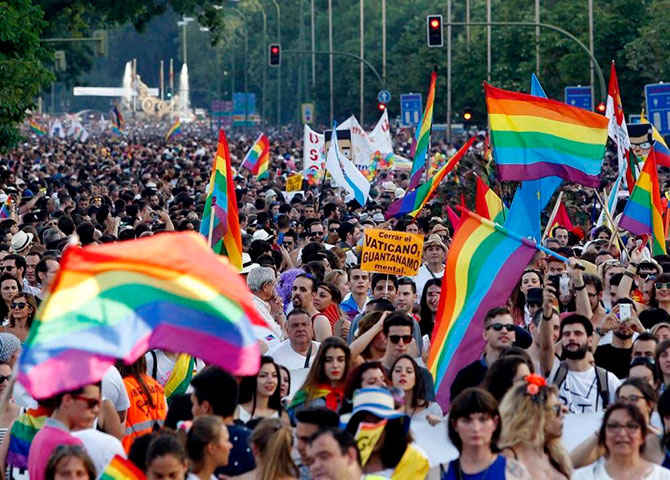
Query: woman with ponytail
[
  {"x": 272, "y": 442},
  {"x": 207, "y": 446}
]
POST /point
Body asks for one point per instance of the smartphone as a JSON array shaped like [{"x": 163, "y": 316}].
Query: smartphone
[
  {"x": 554, "y": 281},
  {"x": 564, "y": 284},
  {"x": 624, "y": 311}
]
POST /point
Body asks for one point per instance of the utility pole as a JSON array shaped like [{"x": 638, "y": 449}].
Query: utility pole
[
  {"x": 488, "y": 41},
  {"x": 448, "y": 71},
  {"x": 591, "y": 66},
  {"x": 384, "y": 42},
  {"x": 162, "y": 80},
  {"x": 537, "y": 38},
  {"x": 313, "y": 54},
  {"x": 362, "y": 66},
  {"x": 330, "y": 59}
]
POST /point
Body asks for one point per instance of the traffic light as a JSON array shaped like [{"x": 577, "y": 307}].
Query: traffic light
[
  {"x": 601, "y": 107},
  {"x": 381, "y": 106},
  {"x": 434, "y": 31},
  {"x": 275, "y": 55},
  {"x": 101, "y": 47},
  {"x": 467, "y": 115},
  {"x": 168, "y": 93}
]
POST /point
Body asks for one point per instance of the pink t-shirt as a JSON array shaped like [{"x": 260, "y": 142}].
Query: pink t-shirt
[{"x": 53, "y": 434}]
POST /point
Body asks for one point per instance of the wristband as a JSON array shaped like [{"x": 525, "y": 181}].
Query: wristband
[
  {"x": 548, "y": 319},
  {"x": 579, "y": 289},
  {"x": 600, "y": 331},
  {"x": 629, "y": 274}
]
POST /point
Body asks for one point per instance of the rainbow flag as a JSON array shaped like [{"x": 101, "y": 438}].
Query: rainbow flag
[
  {"x": 180, "y": 378},
  {"x": 24, "y": 429},
  {"x": 659, "y": 146},
  {"x": 175, "y": 130},
  {"x": 36, "y": 128},
  {"x": 116, "y": 301},
  {"x": 414, "y": 200},
  {"x": 535, "y": 137},
  {"x": 120, "y": 122},
  {"x": 642, "y": 213},
  {"x": 488, "y": 204},
  {"x": 483, "y": 265},
  {"x": 422, "y": 136},
  {"x": 4, "y": 210},
  {"x": 121, "y": 469},
  {"x": 258, "y": 159},
  {"x": 220, "y": 214}
]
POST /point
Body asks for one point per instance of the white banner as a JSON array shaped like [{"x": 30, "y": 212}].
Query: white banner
[
  {"x": 381, "y": 135},
  {"x": 313, "y": 157}
]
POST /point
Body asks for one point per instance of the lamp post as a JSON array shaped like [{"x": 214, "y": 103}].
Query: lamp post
[
  {"x": 362, "y": 66},
  {"x": 279, "y": 67},
  {"x": 330, "y": 58},
  {"x": 182, "y": 23}
]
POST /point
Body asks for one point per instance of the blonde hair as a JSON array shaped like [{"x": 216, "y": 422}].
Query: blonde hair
[
  {"x": 274, "y": 441},
  {"x": 523, "y": 419}
]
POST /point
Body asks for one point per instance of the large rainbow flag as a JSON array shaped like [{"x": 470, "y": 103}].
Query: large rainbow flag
[
  {"x": 175, "y": 130},
  {"x": 220, "y": 221},
  {"x": 414, "y": 200},
  {"x": 121, "y": 469},
  {"x": 258, "y": 158},
  {"x": 536, "y": 137},
  {"x": 483, "y": 265},
  {"x": 422, "y": 136},
  {"x": 116, "y": 301},
  {"x": 642, "y": 213},
  {"x": 488, "y": 203},
  {"x": 36, "y": 128}
]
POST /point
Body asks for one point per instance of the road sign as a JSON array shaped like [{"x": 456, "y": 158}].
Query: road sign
[
  {"x": 410, "y": 109},
  {"x": 222, "y": 114},
  {"x": 384, "y": 96},
  {"x": 633, "y": 118},
  {"x": 658, "y": 106},
  {"x": 307, "y": 110},
  {"x": 579, "y": 97}
]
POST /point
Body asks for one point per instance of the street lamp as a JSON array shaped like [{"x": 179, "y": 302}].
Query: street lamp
[{"x": 182, "y": 23}]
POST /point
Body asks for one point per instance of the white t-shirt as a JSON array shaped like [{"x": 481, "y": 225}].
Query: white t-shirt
[
  {"x": 165, "y": 366},
  {"x": 579, "y": 391},
  {"x": 100, "y": 446},
  {"x": 272, "y": 334},
  {"x": 597, "y": 471},
  {"x": 114, "y": 390},
  {"x": 284, "y": 355},
  {"x": 423, "y": 276}
]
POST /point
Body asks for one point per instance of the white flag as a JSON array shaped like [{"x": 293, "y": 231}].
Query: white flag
[
  {"x": 345, "y": 174},
  {"x": 312, "y": 158},
  {"x": 381, "y": 135}
]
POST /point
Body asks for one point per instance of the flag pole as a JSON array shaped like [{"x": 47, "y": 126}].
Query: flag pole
[
  {"x": 615, "y": 227},
  {"x": 211, "y": 222},
  {"x": 552, "y": 217}
]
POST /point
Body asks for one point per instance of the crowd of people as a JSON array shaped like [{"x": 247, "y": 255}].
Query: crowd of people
[{"x": 343, "y": 390}]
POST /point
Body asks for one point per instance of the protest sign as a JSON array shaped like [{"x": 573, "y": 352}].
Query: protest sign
[
  {"x": 390, "y": 252},
  {"x": 294, "y": 183}
]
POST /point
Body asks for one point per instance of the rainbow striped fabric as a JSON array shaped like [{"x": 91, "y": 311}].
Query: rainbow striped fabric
[
  {"x": 642, "y": 213},
  {"x": 36, "y": 128},
  {"x": 414, "y": 200},
  {"x": 659, "y": 146},
  {"x": 24, "y": 429},
  {"x": 488, "y": 204},
  {"x": 220, "y": 220},
  {"x": 175, "y": 130},
  {"x": 121, "y": 469},
  {"x": 120, "y": 122},
  {"x": 422, "y": 136},
  {"x": 258, "y": 159},
  {"x": 4, "y": 210},
  {"x": 180, "y": 378},
  {"x": 536, "y": 137},
  {"x": 483, "y": 266},
  {"x": 116, "y": 301}
]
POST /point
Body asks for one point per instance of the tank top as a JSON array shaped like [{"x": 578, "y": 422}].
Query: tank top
[{"x": 496, "y": 471}]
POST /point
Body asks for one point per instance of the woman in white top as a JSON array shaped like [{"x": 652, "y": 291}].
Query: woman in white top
[
  {"x": 207, "y": 446},
  {"x": 622, "y": 435},
  {"x": 260, "y": 395},
  {"x": 404, "y": 377}
]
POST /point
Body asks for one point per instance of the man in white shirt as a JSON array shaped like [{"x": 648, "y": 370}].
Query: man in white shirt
[
  {"x": 298, "y": 352},
  {"x": 434, "y": 255},
  {"x": 262, "y": 282}
]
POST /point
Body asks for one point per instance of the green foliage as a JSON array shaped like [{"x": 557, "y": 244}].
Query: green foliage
[{"x": 21, "y": 71}]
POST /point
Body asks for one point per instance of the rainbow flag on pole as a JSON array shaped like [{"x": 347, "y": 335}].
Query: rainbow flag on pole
[
  {"x": 488, "y": 204},
  {"x": 175, "y": 130},
  {"x": 36, "y": 128},
  {"x": 642, "y": 213},
  {"x": 484, "y": 264},
  {"x": 414, "y": 200},
  {"x": 220, "y": 221},
  {"x": 422, "y": 136},
  {"x": 535, "y": 137},
  {"x": 121, "y": 469},
  {"x": 116, "y": 301},
  {"x": 120, "y": 121},
  {"x": 258, "y": 159}
]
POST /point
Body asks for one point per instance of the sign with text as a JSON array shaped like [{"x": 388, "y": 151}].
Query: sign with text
[
  {"x": 391, "y": 252},
  {"x": 294, "y": 183}
]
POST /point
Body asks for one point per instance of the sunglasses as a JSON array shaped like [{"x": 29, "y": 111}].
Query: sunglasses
[
  {"x": 91, "y": 403},
  {"x": 499, "y": 326},
  {"x": 394, "y": 339},
  {"x": 18, "y": 305},
  {"x": 661, "y": 285},
  {"x": 5, "y": 378}
]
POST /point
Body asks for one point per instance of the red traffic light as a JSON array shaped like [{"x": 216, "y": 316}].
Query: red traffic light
[
  {"x": 467, "y": 116},
  {"x": 381, "y": 106},
  {"x": 275, "y": 49},
  {"x": 434, "y": 36},
  {"x": 435, "y": 23},
  {"x": 601, "y": 107}
]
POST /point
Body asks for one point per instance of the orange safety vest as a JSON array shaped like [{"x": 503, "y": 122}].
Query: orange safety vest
[{"x": 142, "y": 418}]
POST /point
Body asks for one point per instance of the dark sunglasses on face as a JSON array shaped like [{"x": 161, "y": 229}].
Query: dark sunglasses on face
[
  {"x": 661, "y": 285},
  {"x": 19, "y": 305},
  {"x": 394, "y": 339},
  {"x": 90, "y": 402},
  {"x": 5, "y": 378},
  {"x": 499, "y": 326}
]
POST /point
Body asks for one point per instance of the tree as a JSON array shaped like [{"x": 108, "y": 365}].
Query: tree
[{"x": 22, "y": 73}]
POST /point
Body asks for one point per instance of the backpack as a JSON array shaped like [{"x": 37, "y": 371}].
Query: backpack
[{"x": 601, "y": 381}]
